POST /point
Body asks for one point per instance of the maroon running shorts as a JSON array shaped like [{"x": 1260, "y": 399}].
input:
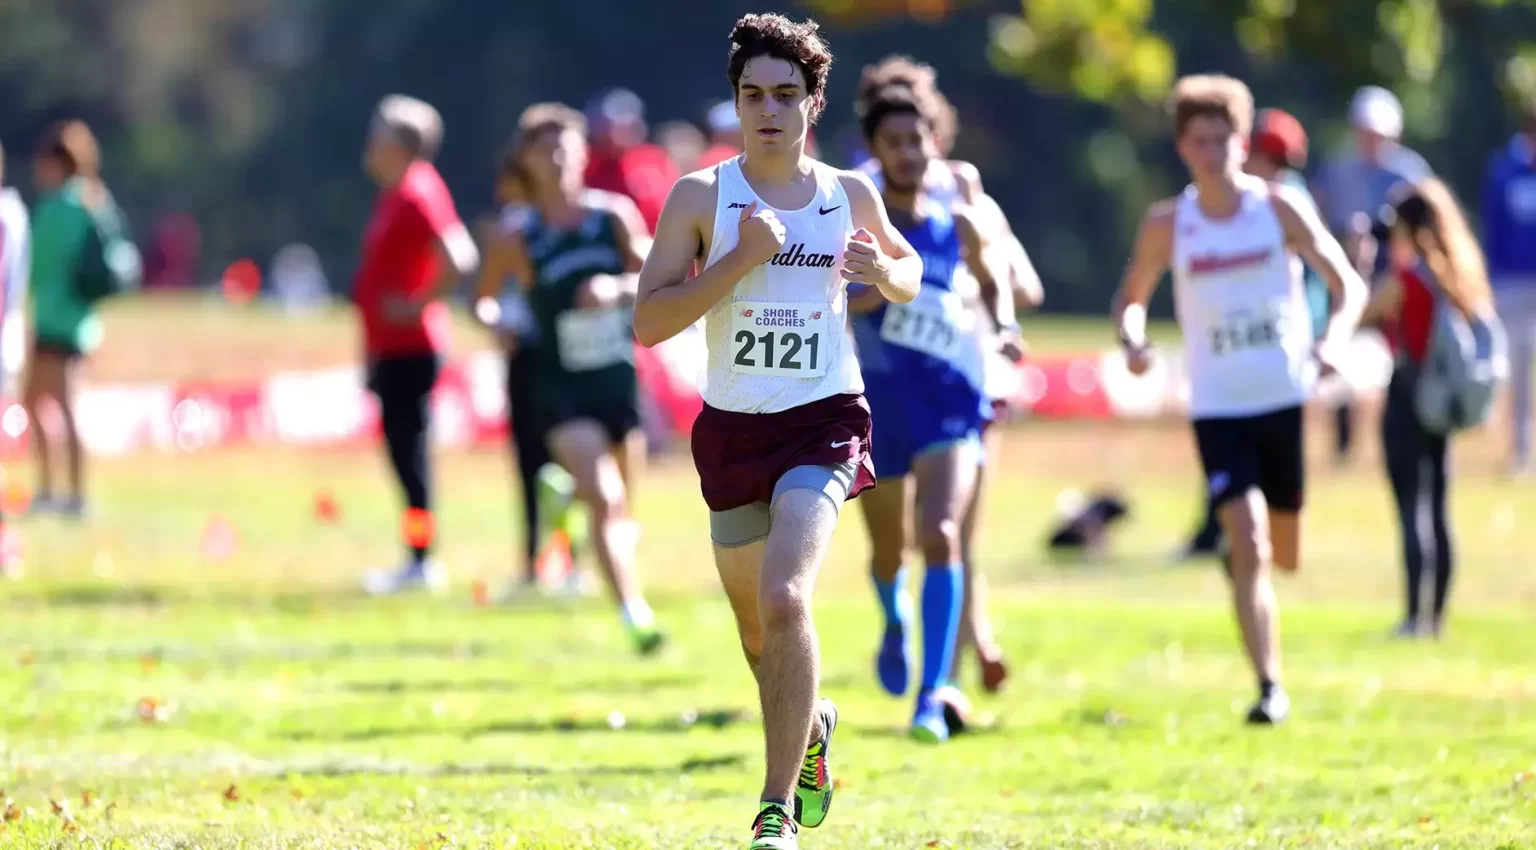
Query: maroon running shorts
[{"x": 741, "y": 456}]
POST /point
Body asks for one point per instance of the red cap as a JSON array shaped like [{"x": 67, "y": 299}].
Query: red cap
[{"x": 1278, "y": 135}]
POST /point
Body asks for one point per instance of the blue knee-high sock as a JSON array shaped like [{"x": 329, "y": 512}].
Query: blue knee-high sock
[
  {"x": 890, "y": 593},
  {"x": 943, "y": 589}
]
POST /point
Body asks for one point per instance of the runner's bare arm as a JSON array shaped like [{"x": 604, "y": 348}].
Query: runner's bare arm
[
  {"x": 1306, "y": 234},
  {"x": 1384, "y": 303},
  {"x": 634, "y": 239},
  {"x": 633, "y": 244},
  {"x": 1027, "y": 289},
  {"x": 669, "y": 301},
  {"x": 888, "y": 262},
  {"x": 457, "y": 251},
  {"x": 989, "y": 266},
  {"x": 1149, "y": 259},
  {"x": 968, "y": 177}
]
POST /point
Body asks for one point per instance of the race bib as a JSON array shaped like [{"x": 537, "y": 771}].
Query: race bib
[
  {"x": 1244, "y": 331},
  {"x": 594, "y": 339},
  {"x": 781, "y": 340},
  {"x": 935, "y": 323}
]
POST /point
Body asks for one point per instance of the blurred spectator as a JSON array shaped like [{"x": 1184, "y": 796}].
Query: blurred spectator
[
  {"x": 15, "y": 258},
  {"x": 683, "y": 143},
  {"x": 15, "y": 270},
  {"x": 171, "y": 259},
  {"x": 622, "y": 160},
  {"x": 298, "y": 278},
  {"x": 1509, "y": 240},
  {"x": 1433, "y": 263},
  {"x": 76, "y": 230},
  {"x": 724, "y": 134},
  {"x": 1358, "y": 182},
  {"x": 415, "y": 249}
]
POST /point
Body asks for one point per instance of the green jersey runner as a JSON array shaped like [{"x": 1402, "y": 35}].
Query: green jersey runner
[{"x": 588, "y": 368}]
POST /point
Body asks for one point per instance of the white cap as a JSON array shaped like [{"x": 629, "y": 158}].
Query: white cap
[
  {"x": 722, "y": 116},
  {"x": 1378, "y": 111}
]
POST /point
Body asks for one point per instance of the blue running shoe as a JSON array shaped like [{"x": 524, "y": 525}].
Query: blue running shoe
[{"x": 928, "y": 724}]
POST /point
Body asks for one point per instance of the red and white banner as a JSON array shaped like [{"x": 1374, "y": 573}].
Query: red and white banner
[{"x": 329, "y": 407}]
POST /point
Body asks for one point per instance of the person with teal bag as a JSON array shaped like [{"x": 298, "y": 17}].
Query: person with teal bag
[
  {"x": 1277, "y": 152},
  {"x": 80, "y": 255}
]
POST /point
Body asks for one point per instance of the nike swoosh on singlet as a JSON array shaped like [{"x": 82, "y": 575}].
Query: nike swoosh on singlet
[{"x": 834, "y": 209}]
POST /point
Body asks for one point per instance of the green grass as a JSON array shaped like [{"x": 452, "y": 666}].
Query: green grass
[{"x": 344, "y": 722}]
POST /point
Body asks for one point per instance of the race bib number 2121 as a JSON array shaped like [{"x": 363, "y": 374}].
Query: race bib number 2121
[{"x": 783, "y": 340}]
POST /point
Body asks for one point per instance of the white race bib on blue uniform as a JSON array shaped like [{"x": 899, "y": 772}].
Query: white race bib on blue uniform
[{"x": 935, "y": 323}]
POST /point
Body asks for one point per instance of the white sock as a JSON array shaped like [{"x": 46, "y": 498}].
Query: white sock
[{"x": 637, "y": 614}]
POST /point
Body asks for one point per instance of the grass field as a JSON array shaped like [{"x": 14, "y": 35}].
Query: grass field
[{"x": 167, "y": 699}]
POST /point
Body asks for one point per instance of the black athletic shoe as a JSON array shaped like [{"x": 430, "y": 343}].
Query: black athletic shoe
[{"x": 1271, "y": 709}]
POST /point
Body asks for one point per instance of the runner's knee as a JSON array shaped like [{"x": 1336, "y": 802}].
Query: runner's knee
[
  {"x": 1247, "y": 538},
  {"x": 940, "y": 540},
  {"x": 783, "y": 602}
]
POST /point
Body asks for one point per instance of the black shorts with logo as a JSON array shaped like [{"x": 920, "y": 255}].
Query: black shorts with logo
[{"x": 1265, "y": 451}]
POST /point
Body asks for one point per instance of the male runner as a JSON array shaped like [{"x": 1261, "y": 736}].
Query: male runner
[
  {"x": 784, "y": 435},
  {"x": 1277, "y": 152},
  {"x": 946, "y": 181},
  {"x": 576, "y": 255},
  {"x": 923, "y": 369},
  {"x": 1232, "y": 241}
]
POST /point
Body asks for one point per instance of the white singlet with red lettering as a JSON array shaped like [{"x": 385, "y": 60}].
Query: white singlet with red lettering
[
  {"x": 781, "y": 339},
  {"x": 1238, "y": 294}
]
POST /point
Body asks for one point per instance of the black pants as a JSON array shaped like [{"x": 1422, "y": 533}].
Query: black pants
[
  {"x": 403, "y": 385},
  {"x": 1416, "y": 466},
  {"x": 528, "y": 444}
]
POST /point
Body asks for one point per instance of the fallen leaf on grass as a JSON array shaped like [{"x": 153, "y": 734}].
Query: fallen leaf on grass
[
  {"x": 296, "y": 794},
  {"x": 12, "y": 813},
  {"x": 70, "y": 827},
  {"x": 86, "y": 799},
  {"x": 232, "y": 793},
  {"x": 27, "y": 657},
  {"x": 148, "y": 662},
  {"x": 58, "y": 807},
  {"x": 111, "y": 807},
  {"x": 151, "y": 711},
  {"x": 837, "y": 783}
]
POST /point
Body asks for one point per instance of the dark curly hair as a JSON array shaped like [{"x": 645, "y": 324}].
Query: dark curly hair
[
  {"x": 923, "y": 81},
  {"x": 891, "y": 100},
  {"x": 776, "y": 36}
]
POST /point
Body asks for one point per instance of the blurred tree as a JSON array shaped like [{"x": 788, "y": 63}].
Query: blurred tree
[{"x": 1109, "y": 51}]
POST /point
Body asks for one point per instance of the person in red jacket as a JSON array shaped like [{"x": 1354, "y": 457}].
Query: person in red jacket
[
  {"x": 622, "y": 161},
  {"x": 414, "y": 249}
]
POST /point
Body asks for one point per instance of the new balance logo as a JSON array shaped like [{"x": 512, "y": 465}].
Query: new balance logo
[
  {"x": 738, "y": 206},
  {"x": 746, "y": 314}
]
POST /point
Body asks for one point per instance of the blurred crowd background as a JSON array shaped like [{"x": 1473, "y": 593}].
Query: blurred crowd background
[{"x": 232, "y": 130}]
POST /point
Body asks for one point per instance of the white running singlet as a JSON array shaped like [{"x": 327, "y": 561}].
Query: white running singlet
[
  {"x": 1241, "y": 305},
  {"x": 781, "y": 339}
]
